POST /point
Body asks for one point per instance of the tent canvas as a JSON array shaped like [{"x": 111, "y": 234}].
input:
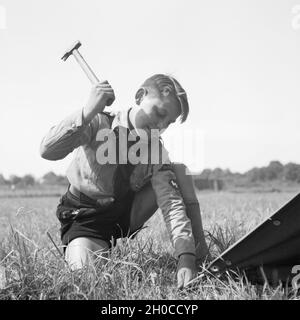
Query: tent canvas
[{"x": 269, "y": 251}]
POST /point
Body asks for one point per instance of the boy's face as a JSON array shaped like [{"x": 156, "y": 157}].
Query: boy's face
[{"x": 157, "y": 111}]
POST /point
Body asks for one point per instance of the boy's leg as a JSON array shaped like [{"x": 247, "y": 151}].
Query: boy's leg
[
  {"x": 144, "y": 206},
  {"x": 80, "y": 250},
  {"x": 187, "y": 189}
]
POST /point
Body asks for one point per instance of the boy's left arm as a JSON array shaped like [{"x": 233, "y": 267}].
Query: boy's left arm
[{"x": 178, "y": 224}]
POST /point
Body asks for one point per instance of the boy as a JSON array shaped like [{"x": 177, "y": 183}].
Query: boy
[{"x": 110, "y": 199}]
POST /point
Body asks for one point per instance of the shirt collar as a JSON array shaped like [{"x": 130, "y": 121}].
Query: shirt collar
[{"x": 122, "y": 119}]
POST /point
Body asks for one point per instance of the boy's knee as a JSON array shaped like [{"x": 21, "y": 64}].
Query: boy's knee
[
  {"x": 76, "y": 255},
  {"x": 81, "y": 251},
  {"x": 143, "y": 207}
]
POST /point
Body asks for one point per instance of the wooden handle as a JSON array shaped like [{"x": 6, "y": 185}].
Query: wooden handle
[
  {"x": 87, "y": 70},
  {"x": 85, "y": 67}
]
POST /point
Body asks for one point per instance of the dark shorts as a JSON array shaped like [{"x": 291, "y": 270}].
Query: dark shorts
[{"x": 82, "y": 217}]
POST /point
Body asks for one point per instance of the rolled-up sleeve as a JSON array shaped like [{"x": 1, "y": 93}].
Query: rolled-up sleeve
[
  {"x": 69, "y": 134},
  {"x": 171, "y": 203}
]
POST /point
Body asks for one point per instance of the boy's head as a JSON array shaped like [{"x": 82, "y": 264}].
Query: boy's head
[{"x": 161, "y": 100}]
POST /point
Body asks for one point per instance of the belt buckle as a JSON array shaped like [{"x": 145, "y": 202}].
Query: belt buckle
[{"x": 106, "y": 202}]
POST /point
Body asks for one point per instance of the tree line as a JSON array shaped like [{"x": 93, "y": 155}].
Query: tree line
[
  {"x": 211, "y": 177},
  {"x": 274, "y": 171},
  {"x": 29, "y": 180}
]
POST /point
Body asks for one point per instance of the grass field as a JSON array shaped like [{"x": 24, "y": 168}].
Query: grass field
[{"x": 143, "y": 268}]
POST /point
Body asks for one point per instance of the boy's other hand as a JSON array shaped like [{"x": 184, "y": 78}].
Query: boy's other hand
[
  {"x": 186, "y": 270},
  {"x": 102, "y": 94}
]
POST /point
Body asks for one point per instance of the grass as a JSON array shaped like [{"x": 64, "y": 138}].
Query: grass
[{"x": 142, "y": 268}]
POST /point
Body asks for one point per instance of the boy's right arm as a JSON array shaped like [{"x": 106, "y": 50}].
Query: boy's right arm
[
  {"x": 69, "y": 134},
  {"x": 78, "y": 128}
]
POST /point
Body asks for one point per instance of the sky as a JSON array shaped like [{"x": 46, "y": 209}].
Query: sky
[{"x": 238, "y": 60}]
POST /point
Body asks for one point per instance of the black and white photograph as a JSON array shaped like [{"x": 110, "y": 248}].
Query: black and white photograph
[{"x": 149, "y": 151}]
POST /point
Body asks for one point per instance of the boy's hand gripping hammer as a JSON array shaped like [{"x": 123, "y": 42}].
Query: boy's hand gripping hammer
[{"x": 83, "y": 64}]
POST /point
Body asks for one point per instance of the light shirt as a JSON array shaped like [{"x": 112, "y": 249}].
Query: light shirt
[{"x": 103, "y": 181}]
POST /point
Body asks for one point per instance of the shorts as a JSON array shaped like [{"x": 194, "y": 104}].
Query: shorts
[{"x": 83, "y": 217}]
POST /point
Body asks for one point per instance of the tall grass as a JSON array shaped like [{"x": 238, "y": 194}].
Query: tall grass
[{"x": 141, "y": 268}]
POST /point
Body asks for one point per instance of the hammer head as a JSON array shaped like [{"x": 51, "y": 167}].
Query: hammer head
[{"x": 75, "y": 46}]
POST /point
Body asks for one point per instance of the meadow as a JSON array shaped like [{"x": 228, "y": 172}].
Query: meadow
[{"x": 142, "y": 268}]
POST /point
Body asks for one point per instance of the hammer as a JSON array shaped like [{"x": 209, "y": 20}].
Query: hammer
[{"x": 73, "y": 50}]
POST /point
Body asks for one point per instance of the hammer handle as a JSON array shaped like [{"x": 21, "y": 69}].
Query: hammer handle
[
  {"x": 88, "y": 71},
  {"x": 85, "y": 67}
]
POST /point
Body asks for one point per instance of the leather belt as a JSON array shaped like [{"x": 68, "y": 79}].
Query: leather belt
[
  {"x": 75, "y": 191},
  {"x": 104, "y": 202}
]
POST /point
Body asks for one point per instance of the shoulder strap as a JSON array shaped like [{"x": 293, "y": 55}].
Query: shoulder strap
[{"x": 109, "y": 116}]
